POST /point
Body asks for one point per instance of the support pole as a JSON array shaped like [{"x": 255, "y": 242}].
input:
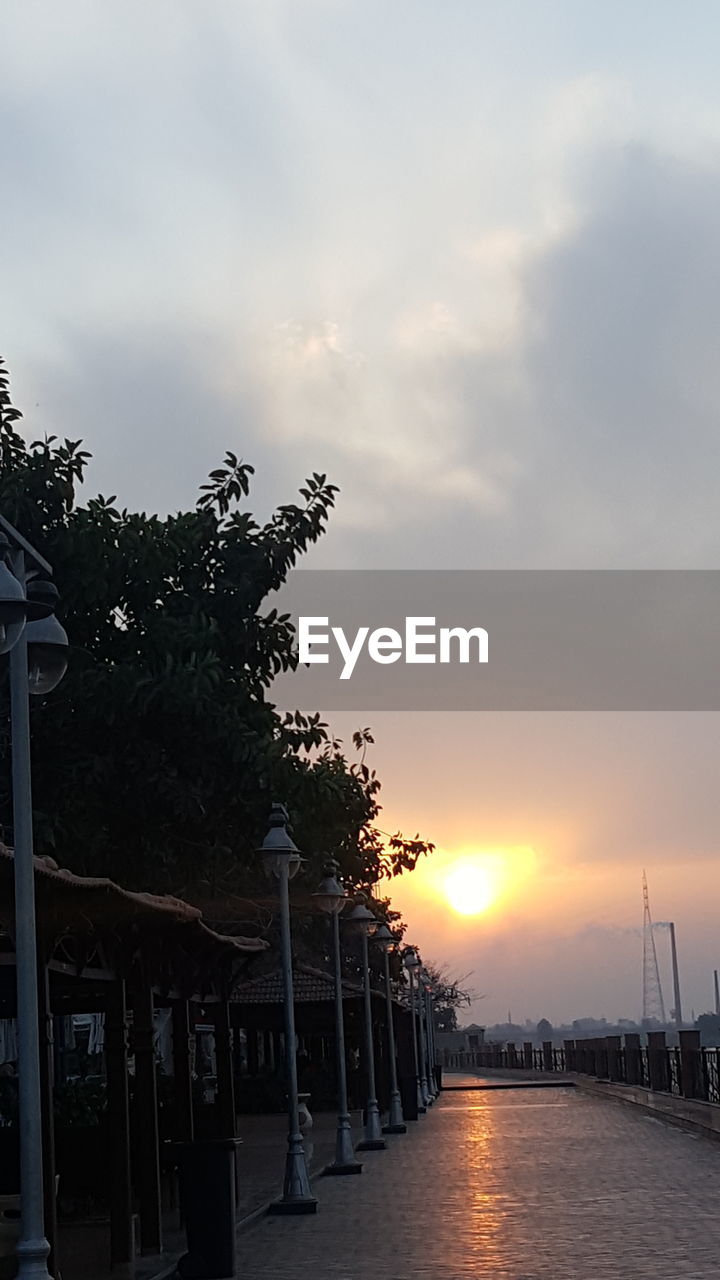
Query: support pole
[
  {"x": 424, "y": 1092},
  {"x": 147, "y": 1167},
  {"x": 48, "y": 1119},
  {"x": 373, "y": 1140},
  {"x": 676, "y": 977},
  {"x": 181, "y": 1068},
  {"x": 395, "y": 1123},
  {"x": 416, "y": 1053},
  {"x": 122, "y": 1239},
  {"x": 430, "y": 1033},
  {"x": 297, "y": 1196},
  {"x": 344, "y": 1161},
  {"x": 225, "y": 1085},
  {"x": 33, "y": 1248}
]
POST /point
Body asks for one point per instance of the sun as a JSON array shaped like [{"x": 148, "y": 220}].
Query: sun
[{"x": 469, "y": 888}]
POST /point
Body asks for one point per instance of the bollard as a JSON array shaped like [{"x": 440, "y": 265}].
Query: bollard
[
  {"x": 658, "y": 1066},
  {"x": 207, "y": 1202},
  {"x": 633, "y": 1069},
  {"x": 691, "y": 1079}
]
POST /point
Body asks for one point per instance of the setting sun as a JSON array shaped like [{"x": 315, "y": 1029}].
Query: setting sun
[
  {"x": 473, "y": 883},
  {"x": 469, "y": 890}
]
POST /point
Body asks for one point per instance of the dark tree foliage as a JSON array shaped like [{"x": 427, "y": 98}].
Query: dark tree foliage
[
  {"x": 449, "y": 996},
  {"x": 156, "y": 759}
]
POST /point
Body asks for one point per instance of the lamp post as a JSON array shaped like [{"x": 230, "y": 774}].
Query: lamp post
[
  {"x": 331, "y": 898},
  {"x": 422, "y": 1046},
  {"x": 282, "y": 859},
  {"x": 430, "y": 1034},
  {"x": 396, "y": 1124},
  {"x": 365, "y": 921},
  {"x": 37, "y": 645},
  {"x": 411, "y": 962}
]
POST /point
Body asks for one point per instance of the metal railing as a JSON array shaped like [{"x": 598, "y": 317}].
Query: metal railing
[{"x": 687, "y": 1070}]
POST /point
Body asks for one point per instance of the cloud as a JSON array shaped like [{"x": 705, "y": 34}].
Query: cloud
[{"x": 489, "y": 317}]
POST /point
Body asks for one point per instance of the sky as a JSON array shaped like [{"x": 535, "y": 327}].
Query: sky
[{"x": 465, "y": 259}]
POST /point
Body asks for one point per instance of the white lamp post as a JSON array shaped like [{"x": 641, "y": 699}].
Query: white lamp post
[
  {"x": 426, "y": 990},
  {"x": 422, "y": 1047},
  {"x": 282, "y": 859},
  {"x": 411, "y": 962},
  {"x": 365, "y": 922},
  {"x": 396, "y": 1124},
  {"x": 331, "y": 898},
  {"x": 38, "y": 646}
]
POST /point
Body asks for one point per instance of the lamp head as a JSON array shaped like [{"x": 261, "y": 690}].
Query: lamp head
[
  {"x": 384, "y": 938},
  {"x": 46, "y": 638},
  {"x": 13, "y": 604},
  {"x": 361, "y": 918},
  {"x": 278, "y": 849},
  {"x": 330, "y": 896}
]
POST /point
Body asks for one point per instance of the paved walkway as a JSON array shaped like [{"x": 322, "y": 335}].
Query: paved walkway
[{"x": 510, "y": 1185}]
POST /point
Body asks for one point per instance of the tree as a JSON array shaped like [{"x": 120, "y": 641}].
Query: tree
[
  {"x": 156, "y": 759},
  {"x": 449, "y": 996}
]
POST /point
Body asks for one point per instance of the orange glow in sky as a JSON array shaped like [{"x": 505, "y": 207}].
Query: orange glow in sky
[
  {"x": 474, "y": 882},
  {"x": 468, "y": 882}
]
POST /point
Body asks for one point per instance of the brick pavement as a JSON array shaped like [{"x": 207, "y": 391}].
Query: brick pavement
[{"x": 513, "y": 1185}]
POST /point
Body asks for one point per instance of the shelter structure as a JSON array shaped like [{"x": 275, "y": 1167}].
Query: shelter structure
[
  {"x": 107, "y": 950},
  {"x": 256, "y": 1012}
]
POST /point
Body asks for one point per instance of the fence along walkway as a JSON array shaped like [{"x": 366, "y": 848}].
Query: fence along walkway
[{"x": 686, "y": 1070}]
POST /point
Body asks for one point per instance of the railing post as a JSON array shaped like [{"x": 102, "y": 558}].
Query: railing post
[
  {"x": 527, "y": 1055},
  {"x": 613, "y": 1044},
  {"x": 658, "y": 1066},
  {"x": 511, "y": 1054},
  {"x": 633, "y": 1072},
  {"x": 547, "y": 1058},
  {"x": 588, "y": 1054},
  {"x": 570, "y": 1055},
  {"x": 691, "y": 1081}
]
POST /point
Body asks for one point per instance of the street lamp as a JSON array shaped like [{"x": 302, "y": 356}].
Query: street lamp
[
  {"x": 27, "y": 603},
  {"x": 364, "y": 920},
  {"x": 430, "y": 1035},
  {"x": 47, "y": 642},
  {"x": 385, "y": 940},
  {"x": 422, "y": 1045},
  {"x": 282, "y": 859},
  {"x": 411, "y": 961},
  {"x": 331, "y": 898}
]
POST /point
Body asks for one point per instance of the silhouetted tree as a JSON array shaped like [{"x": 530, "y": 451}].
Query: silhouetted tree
[{"x": 156, "y": 759}]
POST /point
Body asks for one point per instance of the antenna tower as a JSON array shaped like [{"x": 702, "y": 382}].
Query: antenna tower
[{"x": 653, "y": 1003}]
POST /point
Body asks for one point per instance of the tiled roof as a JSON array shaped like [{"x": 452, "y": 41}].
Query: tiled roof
[
  {"x": 93, "y": 903},
  {"x": 309, "y": 986}
]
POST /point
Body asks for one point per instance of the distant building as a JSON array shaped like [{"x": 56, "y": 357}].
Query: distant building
[{"x": 465, "y": 1039}]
